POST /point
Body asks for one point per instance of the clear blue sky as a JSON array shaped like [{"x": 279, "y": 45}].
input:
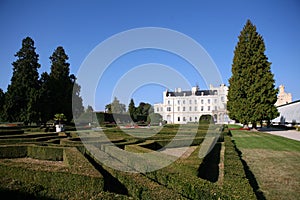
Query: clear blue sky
[{"x": 79, "y": 26}]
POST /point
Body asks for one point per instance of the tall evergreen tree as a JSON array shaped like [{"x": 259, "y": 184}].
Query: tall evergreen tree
[
  {"x": 131, "y": 110},
  {"x": 61, "y": 85},
  {"x": 1, "y": 103},
  {"x": 22, "y": 94},
  {"x": 252, "y": 93}
]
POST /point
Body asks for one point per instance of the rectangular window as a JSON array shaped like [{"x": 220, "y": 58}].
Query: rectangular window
[
  {"x": 183, "y": 101},
  {"x": 161, "y": 109},
  {"x": 157, "y": 109},
  {"x": 195, "y": 108},
  {"x": 190, "y": 119},
  {"x": 208, "y": 108},
  {"x": 208, "y": 101},
  {"x": 184, "y": 119},
  {"x": 190, "y": 101},
  {"x": 183, "y": 109},
  {"x": 202, "y": 108},
  {"x": 195, "y": 101},
  {"x": 178, "y": 108},
  {"x": 216, "y": 101},
  {"x": 202, "y": 101},
  {"x": 178, "y": 102},
  {"x": 168, "y": 108},
  {"x": 168, "y": 102},
  {"x": 216, "y": 107},
  {"x": 178, "y": 119},
  {"x": 190, "y": 108},
  {"x": 196, "y": 118}
]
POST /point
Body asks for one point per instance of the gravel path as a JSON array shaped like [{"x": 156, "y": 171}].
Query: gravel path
[{"x": 291, "y": 134}]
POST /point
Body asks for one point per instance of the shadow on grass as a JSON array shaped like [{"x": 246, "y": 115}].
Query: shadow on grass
[
  {"x": 111, "y": 184},
  {"x": 250, "y": 176},
  {"x": 209, "y": 168}
]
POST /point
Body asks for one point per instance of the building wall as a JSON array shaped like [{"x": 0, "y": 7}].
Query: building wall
[
  {"x": 189, "y": 106},
  {"x": 289, "y": 113},
  {"x": 283, "y": 97}
]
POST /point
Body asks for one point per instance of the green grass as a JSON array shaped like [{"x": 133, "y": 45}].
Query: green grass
[{"x": 274, "y": 161}]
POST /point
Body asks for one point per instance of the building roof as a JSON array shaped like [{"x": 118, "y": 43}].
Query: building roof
[{"x": 189, "y": 93}]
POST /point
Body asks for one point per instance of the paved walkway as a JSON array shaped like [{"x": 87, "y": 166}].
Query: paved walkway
[{"x": 292, "y": 134}]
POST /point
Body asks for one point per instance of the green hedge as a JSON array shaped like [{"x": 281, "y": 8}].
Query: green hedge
[
  {"x": 13, "y": 151},
  {"x": 45, "y": 152},
  {"x": 80, "y": 181},
  {"x": 235, "y": 185}
]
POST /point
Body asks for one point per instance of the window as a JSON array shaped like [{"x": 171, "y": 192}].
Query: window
[
  {"x": 183, "y": 101},
  {"x": 190, "y": 101},
  {"x": 222, "y": 99},
  {"x": 178, "y": 102},
  {"x": 216, "y": 107},
  {"x": 161, "y": 109},
  {"x": 168, "y": 102},
  {"x": 190, "y": 108},
  {"x": 202, "y": 101},
  {"x": 195, "y": 101},
  {"x": 208, "y": 108},
  {"x": 196, "y": 118},
  {"x": 195, "y": 108},
  {"x": 202, "y": 108},
  {"x": 168, "y": 108},
  {"x": 208, "y": 101},
  {"x": 157, "y": 109},
  {"x": 216, "y": 101},
  {"x": 184, "y": 119},
  {"x": 178, "y": 119},
  {"x": 183, "y": 109},
  {"x": 178, "y": 108},
  {"x": 190, "y": 119}
]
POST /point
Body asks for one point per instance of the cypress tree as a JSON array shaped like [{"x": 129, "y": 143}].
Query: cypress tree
[
  {"x": 131, "y": 110},
  {"x": 252, "y": 93},
  {"x": 61, "y": 84},
  {"x": 21, "y": 98}
]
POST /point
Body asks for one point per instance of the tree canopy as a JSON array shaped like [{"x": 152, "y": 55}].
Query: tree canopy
[
  {"x": 252, "y": 93},
  {"x": 21, "y": 98},
  {"x": 32, "y": 99}
]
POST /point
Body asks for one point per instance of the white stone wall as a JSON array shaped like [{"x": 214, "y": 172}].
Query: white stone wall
[{"x": 289, "y": 113}]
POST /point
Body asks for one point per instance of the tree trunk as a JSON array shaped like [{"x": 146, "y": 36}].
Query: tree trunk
[{"x": 254, "y": 125}]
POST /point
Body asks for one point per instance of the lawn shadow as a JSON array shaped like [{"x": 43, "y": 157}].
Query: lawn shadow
[{"x": 250, "y": 176}]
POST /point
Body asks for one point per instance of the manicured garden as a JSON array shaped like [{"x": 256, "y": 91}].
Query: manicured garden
[{"x": 58, "y": 166}]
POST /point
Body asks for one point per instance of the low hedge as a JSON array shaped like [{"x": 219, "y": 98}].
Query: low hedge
[
  {"x": 138, "y": 186},
  {"x": 236, "y": 185},
  {"x": 80, "y": 181}
]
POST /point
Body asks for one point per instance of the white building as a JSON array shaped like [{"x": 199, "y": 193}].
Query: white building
[
  {"x": 289, "y": 113},
  {"x": 181, "y": 107}
]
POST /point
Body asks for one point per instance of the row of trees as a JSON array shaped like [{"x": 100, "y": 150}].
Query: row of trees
[
  {"x": 252, "y": 93},
  {"x": 30, "y": 98},
  {"x": 144, "y": 109}
]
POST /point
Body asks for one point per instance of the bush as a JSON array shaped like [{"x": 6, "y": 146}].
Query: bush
[{"x": 206, "y": 119}]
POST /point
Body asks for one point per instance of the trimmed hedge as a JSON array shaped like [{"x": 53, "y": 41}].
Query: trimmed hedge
[
  {"x": 236, "y": 185},
  {"x": 80, "y": 181}
]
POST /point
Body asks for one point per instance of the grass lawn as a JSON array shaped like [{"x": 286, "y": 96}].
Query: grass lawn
[{"x": 274, "y": 161}]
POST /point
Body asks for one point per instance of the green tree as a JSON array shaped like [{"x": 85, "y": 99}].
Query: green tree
[
  {"x": 62, "y": 86},
  {"x": 132, "y": 110},
  {"x": 154, "y": 118},
  {"x": 1, "y": 103},
  {"x": 252, "y": 93},
  {"x": 21, "y": 98},
  {"x": 144, "y": 109},
  {"x": 115, "y": 107}
]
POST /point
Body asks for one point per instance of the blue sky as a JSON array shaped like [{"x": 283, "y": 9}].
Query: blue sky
[{"x": 79, "y": 26}]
